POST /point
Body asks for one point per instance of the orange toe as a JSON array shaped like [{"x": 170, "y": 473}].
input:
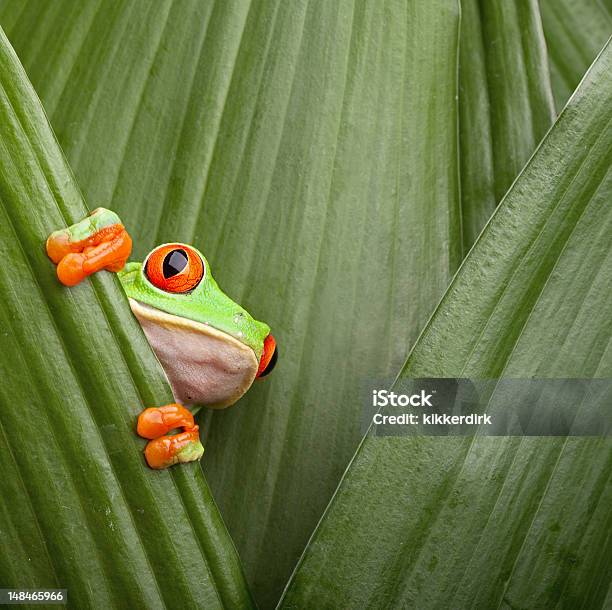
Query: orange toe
[
  {"x": 70, "y": 269},
  {"x": 157, "y": 421},
  {"x": 58, "y": 245}
]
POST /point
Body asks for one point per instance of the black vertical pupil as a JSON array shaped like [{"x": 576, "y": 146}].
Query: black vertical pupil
[{"x": 174, "y": 263}]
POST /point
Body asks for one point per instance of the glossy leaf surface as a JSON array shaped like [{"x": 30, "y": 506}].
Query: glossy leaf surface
[
  {"x": 496, "y": 522},
  {"x": 575, "y": 33},
  {"x": 505, "y": 101}
]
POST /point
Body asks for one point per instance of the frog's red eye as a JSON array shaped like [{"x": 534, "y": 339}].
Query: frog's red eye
[
  {"x": 174, "y": 268},
  {"x": 269, "y": 356}
]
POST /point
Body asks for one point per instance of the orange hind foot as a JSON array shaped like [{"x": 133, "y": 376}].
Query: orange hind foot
[{"x": 165, "y": 450}]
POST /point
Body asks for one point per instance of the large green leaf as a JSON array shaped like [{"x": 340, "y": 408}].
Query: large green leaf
[
  {"x": 511, "y": 522},
  {"x": 310, "y": 151},
  {"x": 505, "y": 101},
  {"x": 80, "y": 509},
  {"x": 576, "y": 30}
]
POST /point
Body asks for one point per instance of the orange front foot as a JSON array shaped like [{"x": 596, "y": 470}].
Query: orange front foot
[
  {"x": 166, "y": 450},
  {"x": 97, "y": 242}
]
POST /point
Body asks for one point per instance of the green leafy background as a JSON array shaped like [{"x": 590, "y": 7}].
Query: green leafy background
[
  {"x": 496, "y": 522},
  {"x": 314, "y": 151},
  {"x": 575, "y": 33},
  {"x": 505, "y": 101}
]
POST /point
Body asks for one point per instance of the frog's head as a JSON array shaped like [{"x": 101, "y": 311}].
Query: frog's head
[{"x": 211, "y": 348}]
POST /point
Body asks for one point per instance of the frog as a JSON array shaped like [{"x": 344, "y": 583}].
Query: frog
[{"x": 210, "y": 348}]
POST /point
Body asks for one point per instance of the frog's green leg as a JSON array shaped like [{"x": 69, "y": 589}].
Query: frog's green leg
[{"x": 97, "y": 242}]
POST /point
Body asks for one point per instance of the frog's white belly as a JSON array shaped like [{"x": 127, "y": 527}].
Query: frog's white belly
[{"x": 204, "y": 366}]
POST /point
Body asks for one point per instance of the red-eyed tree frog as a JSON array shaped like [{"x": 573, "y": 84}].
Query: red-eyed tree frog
[{"x": 210, "y": 348}]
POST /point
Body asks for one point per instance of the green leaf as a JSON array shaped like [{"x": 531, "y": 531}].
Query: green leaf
[
  {"x": 576, "y": 30},
  {"x": 509, "y": 522},
  {"x": 80, "y": 509},
  {"x": 505, "y": 101}
]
